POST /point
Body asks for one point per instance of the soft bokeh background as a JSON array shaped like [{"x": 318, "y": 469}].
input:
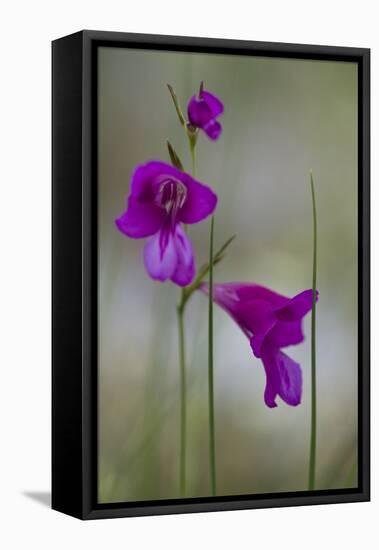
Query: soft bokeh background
[{"x": 282, "y": 117}]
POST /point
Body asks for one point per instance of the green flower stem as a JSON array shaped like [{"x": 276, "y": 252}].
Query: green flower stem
[
  {"x": 182, "y": 347},
  {"x": 212, "y": 446},
  {"x": 192, "y": 135},
  {"x": 193, "y": 158},
  {"x": 313, "y": 439},
  {"x": 185, "y": 296},
  {"x": 183, "y": 402}
]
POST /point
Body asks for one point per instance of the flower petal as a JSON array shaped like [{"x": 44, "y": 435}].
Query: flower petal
[
  {"x": 254, "y": 308},
  {"x": 225, "y": 295},
  {"x": 140, "y": 220},
  {"x": 283, "y": 378},
  {"x": 231, "y": 294},
  {"x": 285, "y": 334},
  {"x": 213, "y": 129},
  {"x": 160, "y": 256},
  {"x": 251, "y": 291},
  {"x": 200, "y": 202},
  {"x": 256, "y": 343},
  {"x": 271, "y": 390},
  {"x": 185, "y": 267},
  {"x": 291, "y": 380},
  {"x": 199, "y": 113},
  {"x": 142, "y": 183},
  {"x": 258, "y": 318},
  {"x": 297, "y": 307},
  {"x": 226, "y": 300},
  {"x": 258, "y": 315},
  {"x": 215, "y": 105}
]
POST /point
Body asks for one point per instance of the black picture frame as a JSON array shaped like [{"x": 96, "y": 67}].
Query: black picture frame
[{"x": 74, "y": 273}]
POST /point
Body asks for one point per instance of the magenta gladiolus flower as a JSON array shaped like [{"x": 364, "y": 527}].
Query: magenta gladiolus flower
[
  {"x": 203, "y": 111},
  {"x": 271, "y": 322},
  {"x": 161, "y": 199}
]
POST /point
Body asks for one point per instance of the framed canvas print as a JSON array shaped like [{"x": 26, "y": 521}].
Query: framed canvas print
[{"x": 210, "y": 275}]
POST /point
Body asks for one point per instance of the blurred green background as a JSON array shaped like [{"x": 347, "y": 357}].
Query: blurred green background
[{"x": 282, "y": 117}]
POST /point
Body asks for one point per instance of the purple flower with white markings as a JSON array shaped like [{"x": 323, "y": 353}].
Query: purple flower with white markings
[
  {"x": 203, "y": 111},
  {"x": 271, "y": 322},
  {"x": 161, "y": 199}
]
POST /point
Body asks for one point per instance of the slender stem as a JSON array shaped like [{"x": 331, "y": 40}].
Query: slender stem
[
  {"x": 183, "y": 402},
  {"x": 193, "y": 158},
  {"x": 313, "y": 440},
  {"x": 212, "y": 448},
  {"x": 183, "y": 375}
]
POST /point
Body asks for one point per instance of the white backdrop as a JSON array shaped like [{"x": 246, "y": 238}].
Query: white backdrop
[{"x": 27, "y": 29}]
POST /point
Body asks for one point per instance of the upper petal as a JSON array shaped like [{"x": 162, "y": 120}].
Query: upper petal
[
  {"x": 160, "y": 255},
  {"x": 244, "y": 292},
  {"x": 254, "y": 317},
  {"x": 226, "y": 298},
  {"x": 199, "y": 113},
  {"x": 258, "y": 315},
  {"x": 285, "y": 334},
  {"x": 251, "y": 291},
  {"x": 253, "y": 308},
  {"x": 297, "y": 307},
  {"x": 200, "y": 202},
  {"x": 140, "y": 220},
  {"x": 215, "y": 105},
  {"x": 144, "y": 176},
  {"x": 185, "y": 266}
]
